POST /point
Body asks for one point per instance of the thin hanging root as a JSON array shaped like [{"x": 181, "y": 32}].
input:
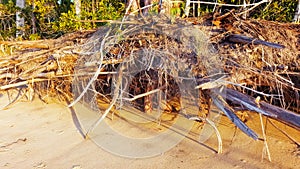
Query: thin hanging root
[
  {"x": 144, "y": 94},
  {"x": 285, "y": 133},
  {"x": 212, "y": 124},
  {"x": 266, "y": 147},
  {"x": 22, "y": 83},
  {"x": 220, "y": 149},
  {"x": 96, "y": 73},
  {"x": 15, "y": 100},
  {"x": 116, "y": 95}
]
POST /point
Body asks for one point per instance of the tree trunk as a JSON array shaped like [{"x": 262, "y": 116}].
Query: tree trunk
[
  {"x": 19, "y": 19},
  {"x": 77, "y": 4},
  {"x": 297, "y": 13},
  {"x": 33, "y": 20},
  {"x": 187, "y": 8},
  {"x": 93, "y": 11}
]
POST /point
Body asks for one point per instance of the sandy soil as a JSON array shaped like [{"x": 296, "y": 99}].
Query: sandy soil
[{"x": 39, "y": 135}]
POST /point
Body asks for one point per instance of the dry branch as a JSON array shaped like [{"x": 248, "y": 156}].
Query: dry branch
[{"x": 264, "y": 108}]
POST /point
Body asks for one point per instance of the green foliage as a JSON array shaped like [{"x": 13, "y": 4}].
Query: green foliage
[
  {"x": 39, "y": 15},
  {"x": 108, "y": 9},
  {"x": 50, "y": 19},
  {"x": 274, "y": 10},
  {"x": 176, "y": 10},
  {"x": 7, "y": 20},
  {"x": 69, "y": 22},
  {"x": 277, "y": 10},
  {"x": 34, "y": 36},
  {"x": 90, "y": 14}
]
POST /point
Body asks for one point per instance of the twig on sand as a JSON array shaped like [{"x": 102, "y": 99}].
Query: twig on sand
[
  {"x": 212, "y": 124},
  {"x": 266, "y": 147},
  {"x": 285, "y": 133}
]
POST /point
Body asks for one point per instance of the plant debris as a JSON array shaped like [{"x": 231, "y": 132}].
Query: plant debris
[{"x": 256, "y": 63}]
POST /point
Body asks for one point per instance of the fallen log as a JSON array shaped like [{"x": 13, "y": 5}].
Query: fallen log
[
  {"x": 290, "y": 118},
  {"x": 236, "y": 38},
  {"x": 228, "y": 111}
]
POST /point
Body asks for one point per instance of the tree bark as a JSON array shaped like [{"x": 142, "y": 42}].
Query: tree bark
[
  {"x": 77, "y": 4},
  {"x": 297, "y": 13},
  {"x": 187, "y": 8},
  {"x": 19, "y": 20},
  {"x": 33, "y": 20}
]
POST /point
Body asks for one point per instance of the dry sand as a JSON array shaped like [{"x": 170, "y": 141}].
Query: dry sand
[{"x": 39, "y": 135}]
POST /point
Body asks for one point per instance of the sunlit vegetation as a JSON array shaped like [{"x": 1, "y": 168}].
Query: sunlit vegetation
[{"x": 53, "y": 18}]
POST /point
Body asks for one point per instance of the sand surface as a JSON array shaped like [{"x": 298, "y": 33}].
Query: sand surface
[{"x": 39, "y": 135}]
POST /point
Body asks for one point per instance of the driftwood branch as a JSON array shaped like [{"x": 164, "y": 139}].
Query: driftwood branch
[
  {"x": 235, "y": 38},
  {"x": 290, "y": 118},
  {"x": 222, "y": 105}
]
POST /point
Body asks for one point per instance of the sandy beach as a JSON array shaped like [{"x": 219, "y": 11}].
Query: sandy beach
[{"x": 45, "y": 135}]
